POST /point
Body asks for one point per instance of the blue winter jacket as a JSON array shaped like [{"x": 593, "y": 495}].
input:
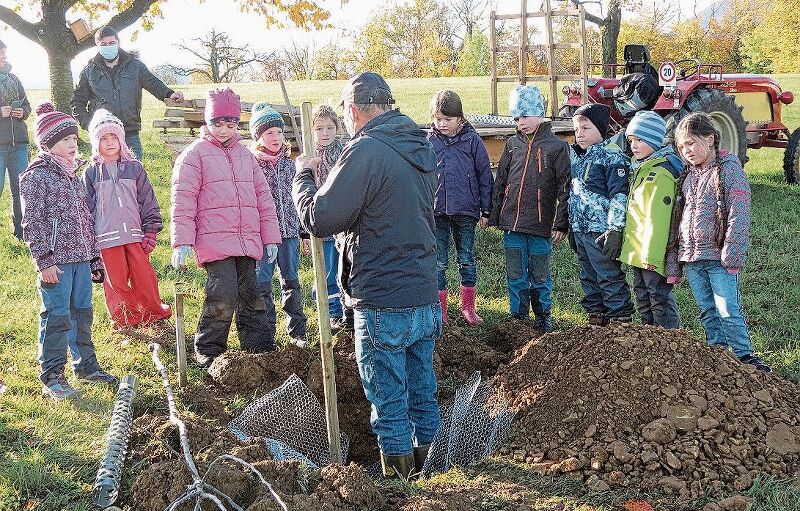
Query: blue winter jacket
[
  {"x": 464, "y": 173},
  {"x": 599, "y": 193}
]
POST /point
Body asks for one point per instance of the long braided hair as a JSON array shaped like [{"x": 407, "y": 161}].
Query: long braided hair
[{"x": 699, "y": 124}]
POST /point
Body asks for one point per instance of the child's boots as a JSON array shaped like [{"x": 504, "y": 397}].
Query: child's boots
[{"x": 468, "y": 306}]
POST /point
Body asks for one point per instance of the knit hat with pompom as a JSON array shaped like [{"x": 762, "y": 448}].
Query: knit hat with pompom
[
  {"x": 52, "y": 125},
  {"x": 104, "y": 122}
]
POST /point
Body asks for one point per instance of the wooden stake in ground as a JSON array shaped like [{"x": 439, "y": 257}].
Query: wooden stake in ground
[
  {"x": 325, "y": 341},
  {"x": 180, "y": 337},
  {"x": 299, "y": 137}
]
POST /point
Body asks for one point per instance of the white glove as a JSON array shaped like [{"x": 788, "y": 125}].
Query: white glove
[
  {"x": 271, "y": 252},
  {"x": 181, "y": 256}
]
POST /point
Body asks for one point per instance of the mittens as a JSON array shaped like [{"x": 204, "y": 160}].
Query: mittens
[
  {"x": 149, "y": 242},
  {"x": 611, "y": 243},
  {"x": 180, "y": 256},
  {"x": 271, "y": 252}
]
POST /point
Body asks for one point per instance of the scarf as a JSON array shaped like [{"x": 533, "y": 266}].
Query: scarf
[
  {"x": 68, "y": 167},
  {"x": 667, "y": 152},
  {"x": 330, "y": 155},
  {"x": 270, "y": 158}
]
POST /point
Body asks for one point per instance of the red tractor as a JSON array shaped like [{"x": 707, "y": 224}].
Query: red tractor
[{"x": 746, "y": 108}]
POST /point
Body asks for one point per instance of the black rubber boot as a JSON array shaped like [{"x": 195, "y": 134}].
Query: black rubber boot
[
  {"x": 420, "y": 455},
  {"x": 395, "y": 467}
]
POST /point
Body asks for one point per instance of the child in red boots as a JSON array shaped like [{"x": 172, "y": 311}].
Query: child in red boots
[
  {"x": 463, "y": 196},
  {"x": 127, "y": 218}
]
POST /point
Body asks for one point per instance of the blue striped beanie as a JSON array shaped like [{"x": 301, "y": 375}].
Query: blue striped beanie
[
  {"x": 648, "y": 127},
  {"x": 262, "y": 118}
]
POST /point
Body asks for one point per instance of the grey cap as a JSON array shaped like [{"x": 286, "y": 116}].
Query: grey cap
[{"x": 367, "y": 88}]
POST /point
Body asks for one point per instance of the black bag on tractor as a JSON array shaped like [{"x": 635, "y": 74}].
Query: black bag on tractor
[{"x": 636, "y": 91}]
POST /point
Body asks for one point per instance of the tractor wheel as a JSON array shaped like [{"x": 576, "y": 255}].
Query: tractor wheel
[
  {"x": 727, "y": 116},
  {"x": 791, "y": 159}
]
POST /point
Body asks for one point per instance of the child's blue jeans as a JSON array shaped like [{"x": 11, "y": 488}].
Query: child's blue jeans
[
  {"x": 331, "y": 256},
  {"x": 67, "y": 312},
  {"x": 530, "y": 284},
  {"x": 462, "y": 229},
  {"x": 288, "y": 263},
  {"x": 717, "y": 295},
  {"x": 394, "y": 351}
]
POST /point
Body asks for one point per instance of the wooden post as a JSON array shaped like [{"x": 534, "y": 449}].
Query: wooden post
[
  {"x": 523, "y": 43},
  {"x": 551, "y": 59},
  {"x": 493, "y": 60},
  {"x": 325, "y": 341},
  {"x": 297, "y": 135},
  {"x": 180, "y": 336},
  {"x": 584, "y": 57}
]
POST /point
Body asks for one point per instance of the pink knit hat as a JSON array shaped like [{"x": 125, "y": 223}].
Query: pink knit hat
[
  {"x": 102, "y": 123},
  {"x": 223, "y": 103},
  {"x": 52, "y": 125}
]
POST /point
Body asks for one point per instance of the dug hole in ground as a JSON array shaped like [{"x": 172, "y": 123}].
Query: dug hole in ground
[{"x": 623, "y": 407}]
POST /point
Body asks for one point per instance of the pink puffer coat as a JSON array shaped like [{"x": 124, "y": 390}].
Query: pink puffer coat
[{"x": 221, "y": 202}]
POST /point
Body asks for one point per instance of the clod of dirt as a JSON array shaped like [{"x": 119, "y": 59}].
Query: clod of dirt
[
  {"x": 633, "y": 405},
  {"x": 245, "y": 372},
  {"x": 160, "y": 485},
  {"x": 460, "y": 355},
  {"x": 352, "y": 485},
  {"x": 205, "y": 403}
]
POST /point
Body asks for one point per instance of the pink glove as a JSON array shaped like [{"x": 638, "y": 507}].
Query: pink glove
[
  {"x": 733, "y": 271},
  {"x": 149, "y": 242},
  {"x": 673, "y": 280}
]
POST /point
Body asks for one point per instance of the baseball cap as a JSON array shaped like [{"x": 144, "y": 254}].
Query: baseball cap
[{"x": 367, "y": 88}]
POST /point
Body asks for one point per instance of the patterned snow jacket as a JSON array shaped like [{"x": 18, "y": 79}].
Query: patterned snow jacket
[
  {"x": 696, "y": 232},
  {"x": 599, "y": 191},
  {"x": 532, "y": 185},
  {"x": 124, "y": 205},
  {"x": 279, "y": 177},
  {"x": 56, "y": 223}
]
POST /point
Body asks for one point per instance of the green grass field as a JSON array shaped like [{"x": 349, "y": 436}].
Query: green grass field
[{"x": 49, "y": 452}]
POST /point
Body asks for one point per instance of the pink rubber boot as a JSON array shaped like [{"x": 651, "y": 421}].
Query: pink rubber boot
[
  {"x": 468, "y": 306},
  {"x": 443, "y": 304}
]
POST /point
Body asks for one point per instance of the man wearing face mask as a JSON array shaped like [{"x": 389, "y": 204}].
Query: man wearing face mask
[
  {"x": 379, "y": 195},
  {"x": 113, "y": 79}
]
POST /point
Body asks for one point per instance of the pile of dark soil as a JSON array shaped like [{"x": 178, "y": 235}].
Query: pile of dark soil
[{"x": 643, "y": 407}]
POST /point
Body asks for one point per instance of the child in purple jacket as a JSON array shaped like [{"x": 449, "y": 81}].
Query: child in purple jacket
[
  {"x": 463, "y": 196},
  {"x": 711, "y": 231},
  {"x": 58, "y": 228}
]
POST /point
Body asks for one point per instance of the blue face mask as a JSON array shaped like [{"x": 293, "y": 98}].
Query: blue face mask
[{"x": 109, "y": 52}]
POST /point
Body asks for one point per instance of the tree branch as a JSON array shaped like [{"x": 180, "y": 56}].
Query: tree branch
[
  {"x": 591, "y": 18},
  {"x": 15, "y": 21},
  {"x": 123, "y": 19}
]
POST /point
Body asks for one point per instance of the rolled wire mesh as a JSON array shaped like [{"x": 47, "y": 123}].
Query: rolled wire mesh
[{"x": 292, "y": 422}]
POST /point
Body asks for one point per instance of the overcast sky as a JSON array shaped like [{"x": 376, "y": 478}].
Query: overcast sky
[{"x": 186, "y": 19}]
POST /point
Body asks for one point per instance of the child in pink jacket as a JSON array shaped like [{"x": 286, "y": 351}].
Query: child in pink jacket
[{"x": 222, "y": 208}]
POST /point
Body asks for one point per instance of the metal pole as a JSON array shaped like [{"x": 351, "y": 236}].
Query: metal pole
[
  {"x": 180, "y": 336},
  {"x": 325, "y": 341}
]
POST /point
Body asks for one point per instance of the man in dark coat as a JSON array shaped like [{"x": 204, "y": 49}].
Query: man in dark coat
[
  {"x": 113, "y": 79},
  {"x": 379, "y": 195}
]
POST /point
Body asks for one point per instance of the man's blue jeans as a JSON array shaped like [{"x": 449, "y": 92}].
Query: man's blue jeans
[
  {"x": 134, "y": 144},
  {"x": 462, "y": 229},
  {"x": 530, "y": 284},
  {"x": 717, "y": 295},
  {"x": 394, "y": 350},
  {"x": 66, "y": 318},
  {"x": 14, "y": 159}
]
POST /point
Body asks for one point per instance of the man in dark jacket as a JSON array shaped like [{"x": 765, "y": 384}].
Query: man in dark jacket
[
  {"x": 14, "y": 109},
  {"x": 113, "y": 79},
  {"x": 380, "y": 196}
]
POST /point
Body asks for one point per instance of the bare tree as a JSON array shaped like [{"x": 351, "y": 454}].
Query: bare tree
[
  {"x": 469, "y": 14},
  {"x": 609, "y": 30},
  {"x": 218, "y": 58},
  {"x": 299, "y": 58}
]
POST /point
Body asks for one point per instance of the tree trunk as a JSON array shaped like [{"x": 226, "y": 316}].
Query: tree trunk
[
  {"x": 60, "y": 78},
  {"x": 610, "y": 32}
]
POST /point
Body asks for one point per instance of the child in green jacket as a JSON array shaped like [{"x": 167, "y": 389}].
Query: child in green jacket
[{"x": 655, "y": 169}]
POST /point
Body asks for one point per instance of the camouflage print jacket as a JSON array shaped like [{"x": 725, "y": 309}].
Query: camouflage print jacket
[
  {"x": 599, "y": 192},
  {"x": 56, "y": 223}
]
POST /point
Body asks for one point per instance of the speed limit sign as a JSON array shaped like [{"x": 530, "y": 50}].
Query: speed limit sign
[{"x": 666, "y": 74}]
